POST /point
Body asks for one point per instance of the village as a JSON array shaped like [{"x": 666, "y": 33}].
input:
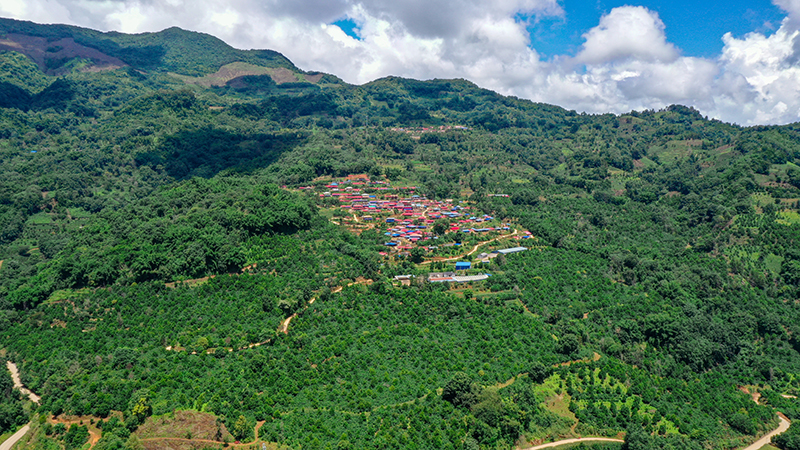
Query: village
[{"x": 446, "y": 235}]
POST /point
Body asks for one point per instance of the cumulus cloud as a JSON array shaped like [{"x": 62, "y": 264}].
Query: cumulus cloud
[
  {"x": 628, "y": 32},
  {"x": 626, "y": 62},
  {"x": 768, "y": 73},
  {"x": 792, "y": 7}
]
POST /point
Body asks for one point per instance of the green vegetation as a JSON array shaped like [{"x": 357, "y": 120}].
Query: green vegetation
[{"x": 155, "y": 245}]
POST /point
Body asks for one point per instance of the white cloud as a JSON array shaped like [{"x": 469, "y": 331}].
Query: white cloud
[
  {"x": 767, "y": 72},
  {"x": 43, "y": 11},
  {"x": 792, "y": 7},
  {"x": 627, "y": 32},
  {"x": 626, "y": 61}
]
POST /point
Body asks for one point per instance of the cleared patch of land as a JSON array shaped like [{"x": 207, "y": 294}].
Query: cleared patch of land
[
  {"x": 184, "y": 425},
  {"x": 45, "y": 53},
  {"x": 236, "y": 70}
]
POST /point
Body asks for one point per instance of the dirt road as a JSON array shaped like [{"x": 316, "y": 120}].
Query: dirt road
[
  {"x": 14, "y": 438},
  {"x": 18, "y": 383},
  {"x": 474, "y": 249},
  {"x": 34, "y": 398},
  {"x": 767, "y": 438},
  {"x": 284, "y": 328},
  {"x": 571, "y": 441}
]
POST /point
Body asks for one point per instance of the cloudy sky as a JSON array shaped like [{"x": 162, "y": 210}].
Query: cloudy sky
[{"x": 737, "y": 61}]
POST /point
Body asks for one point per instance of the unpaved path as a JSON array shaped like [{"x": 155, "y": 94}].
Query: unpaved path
[
  {"x": 284, "y": 328},
  {"x": 767, "y": 438},
  {"x": 18, "y": 383},
  {"x": 25, "y": 391},
  {"x": 15, "y": 437},
  {"x": 474, "y": 249},
  {"x": 571, "y": 441}
]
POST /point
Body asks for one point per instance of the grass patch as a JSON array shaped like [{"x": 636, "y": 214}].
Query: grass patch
[
  {"x": 40, "y": 219},
  {"x": 773, "y": 263},
  {"x": 647, "y": 162},
  {"x": 762, "y": 199},
  {"x": 788, "y": 217},
  {"x": 66, "y": 295},
  {"x": 554, "y": 398}
]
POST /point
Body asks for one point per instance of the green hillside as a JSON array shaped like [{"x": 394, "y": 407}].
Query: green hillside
[
  {"x": 170, "y": 50},
  {"x": 200, "y": 244}
]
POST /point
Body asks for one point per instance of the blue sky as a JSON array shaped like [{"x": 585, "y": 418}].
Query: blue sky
[
  {"x": 737, "y": 61},
  {"x": 695, "y": 27}
]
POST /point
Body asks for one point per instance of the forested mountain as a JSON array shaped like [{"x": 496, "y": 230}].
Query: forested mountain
[{"x": 198, "y": 245}]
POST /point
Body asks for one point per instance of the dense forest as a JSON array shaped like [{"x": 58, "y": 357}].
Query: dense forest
[{"x": 167, "y": 252}]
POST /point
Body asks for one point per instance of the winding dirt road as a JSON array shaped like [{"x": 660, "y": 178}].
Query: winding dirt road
[
  {"x": 18, "y": 383},
  {"x": 25, "y": 391},
  {"x": 15, "y": 437},
  {"x": 571, "y": 441},
  {"x": 767, "y": 438}
]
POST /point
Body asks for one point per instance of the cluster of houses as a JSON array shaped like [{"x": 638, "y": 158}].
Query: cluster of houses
[
  {"x": 439, "y": 129},
  {"x": 406, "y": 218},
  {"x": 455, "y": 277}
]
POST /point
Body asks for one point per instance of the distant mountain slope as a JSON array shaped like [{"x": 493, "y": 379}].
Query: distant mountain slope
[
  {"x": 171, "y": 50},
  {"x": 184, "y": 226}
]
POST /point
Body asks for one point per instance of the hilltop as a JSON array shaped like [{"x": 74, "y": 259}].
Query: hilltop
[{"x": 212, "y": 241}]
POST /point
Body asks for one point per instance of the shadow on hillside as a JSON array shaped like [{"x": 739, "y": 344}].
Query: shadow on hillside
[{"x": 206, "y": 152}]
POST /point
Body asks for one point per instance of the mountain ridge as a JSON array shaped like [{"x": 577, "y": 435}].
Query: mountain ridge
[{"x": 196, "y": 250}]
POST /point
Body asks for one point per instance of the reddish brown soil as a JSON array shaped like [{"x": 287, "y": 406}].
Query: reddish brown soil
[{"x": 36, "y": 49}]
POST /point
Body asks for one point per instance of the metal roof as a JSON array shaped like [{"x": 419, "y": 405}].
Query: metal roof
[
  {"x": 506, "y": 251},
  {"x": 467, "y": 279}
]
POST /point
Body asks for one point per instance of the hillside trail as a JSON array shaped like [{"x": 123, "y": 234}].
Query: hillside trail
[
  {"x": 284, "y": 328},
  {"x": 571, "y": 441},
  {"x": 18, "y": 383},
  {"x": 8, "y": 443},
  {"x": 767, "y": 438},
  {"x": 474, "y": 249},
  {"x": 783, "y": 425},
  {"x": 25, "y": 391}
]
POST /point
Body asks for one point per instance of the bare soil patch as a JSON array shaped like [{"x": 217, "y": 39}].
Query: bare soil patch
[
  {"x": 313, "y": 78},
  {"x": 94, "y": 432},
  {"x": 191, "y": 425},
  {"x": 40, "y": 51},
  {"x": 229, "y": 73}
]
